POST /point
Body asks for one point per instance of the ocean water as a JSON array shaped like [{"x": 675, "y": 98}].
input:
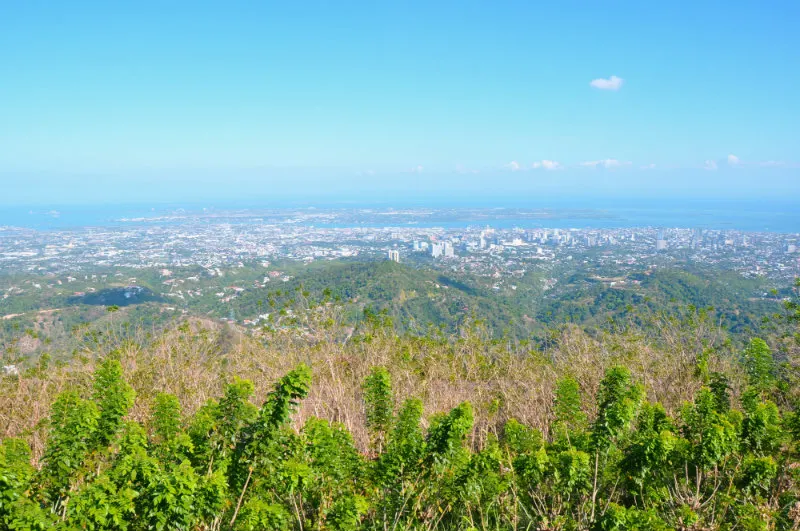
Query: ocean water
[{"x": 746, "y": 215}]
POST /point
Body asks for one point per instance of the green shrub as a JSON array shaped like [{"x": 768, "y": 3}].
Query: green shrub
[{"x": 232, "y": 465}]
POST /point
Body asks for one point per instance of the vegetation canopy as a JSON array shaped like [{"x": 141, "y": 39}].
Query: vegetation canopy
[{"x": 314, "y": 427}]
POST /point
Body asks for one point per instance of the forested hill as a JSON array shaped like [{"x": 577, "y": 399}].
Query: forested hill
[
  {"x": 418, "y": 297},
  {"x": 415, "y": 298},
  {"x": 741, "y": 303},
  {"x": 522, "y": 304}
]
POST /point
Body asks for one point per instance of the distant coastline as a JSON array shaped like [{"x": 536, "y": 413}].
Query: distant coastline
[{"x": 782, "y": 216}]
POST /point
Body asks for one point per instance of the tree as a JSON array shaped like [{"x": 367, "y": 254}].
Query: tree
[{"x": 379, "y": 405}]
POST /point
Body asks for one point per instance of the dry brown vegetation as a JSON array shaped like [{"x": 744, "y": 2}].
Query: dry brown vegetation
[{"x": 502, "y": 379}]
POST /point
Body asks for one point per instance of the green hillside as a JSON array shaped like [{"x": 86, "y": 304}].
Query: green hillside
[
  {"x": 414, "y": 298},
  {"x": 523, "y": 305}
]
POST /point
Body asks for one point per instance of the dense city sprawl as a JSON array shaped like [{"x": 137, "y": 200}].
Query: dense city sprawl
[
  {"x": 243, "y": 267},
  {"x": 482, "y": 246}
]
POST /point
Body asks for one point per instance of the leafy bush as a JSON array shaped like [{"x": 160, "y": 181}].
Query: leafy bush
[{"x": 720, "y": 464}]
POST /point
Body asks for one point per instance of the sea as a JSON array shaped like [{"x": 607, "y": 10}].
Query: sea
[{"x": 767, "y": 215}]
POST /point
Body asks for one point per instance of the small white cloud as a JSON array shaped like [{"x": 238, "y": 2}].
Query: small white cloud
[
  {"x": 710, "y": 165},
  {"x": 606, "y": 163},
  {"x": 650, "y": 166},
  {"x": 417, "y": 169},
  {"x": 547, "y": 165},
  {"x": 733, "y": 160},
  {"x": 612, "y": 83},
  {"x": 513, "y": 165},
  {"x": 772, "y": 163}
]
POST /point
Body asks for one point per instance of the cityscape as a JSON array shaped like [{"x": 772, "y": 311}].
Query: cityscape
[{"x": 188, "y": 251}]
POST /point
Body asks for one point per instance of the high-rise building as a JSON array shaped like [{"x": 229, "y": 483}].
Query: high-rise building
[
  {"x": 437, "y": 249},
  {"x": 661, "y": 243},
  {"x": 449, "y": 252},
  {"x": 394, "y": 256},
  {"x": 697, "y": 238}
]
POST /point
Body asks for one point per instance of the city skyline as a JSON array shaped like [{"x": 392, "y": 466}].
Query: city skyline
[{"x": 233, "y": 239}]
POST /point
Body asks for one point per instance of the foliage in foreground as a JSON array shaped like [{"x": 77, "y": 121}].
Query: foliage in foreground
[{"x": 232, "y": 465}]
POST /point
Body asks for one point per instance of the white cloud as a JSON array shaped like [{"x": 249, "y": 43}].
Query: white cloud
[
  {"x": 612, "y": 83},
  {"x": 606, "y": 163},
  {"x": 710, "y": 165},
  {"x": 513, "y": 165},
  {"x": 417, "y": 169},
  {"x": 733, "y": 160},
  {"x": 547, "y": 165},
  {"x": 650, "y": 166}
]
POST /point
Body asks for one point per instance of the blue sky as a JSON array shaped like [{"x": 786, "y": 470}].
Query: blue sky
[{"x": 105, "y": 101}]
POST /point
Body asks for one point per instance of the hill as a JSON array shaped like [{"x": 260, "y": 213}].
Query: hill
[{"x": 416, "y": 297}]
